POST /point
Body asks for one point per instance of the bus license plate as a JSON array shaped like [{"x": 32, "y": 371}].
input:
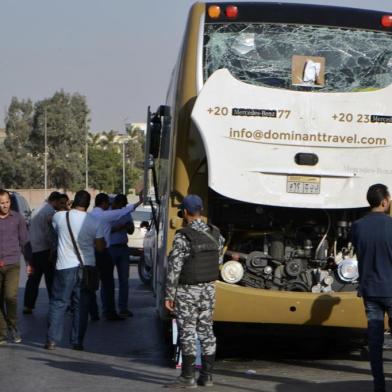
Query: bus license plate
[{"x": 303, "y": 185}]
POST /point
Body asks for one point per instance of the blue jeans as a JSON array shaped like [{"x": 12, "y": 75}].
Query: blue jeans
[
  {"x": 376, "y": 307},
  {"x": 120, "y": 257},
  {"x": 66, "y": 291}
]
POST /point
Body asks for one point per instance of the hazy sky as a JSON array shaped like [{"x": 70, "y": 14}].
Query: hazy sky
[{"x": 118, "y": 53}]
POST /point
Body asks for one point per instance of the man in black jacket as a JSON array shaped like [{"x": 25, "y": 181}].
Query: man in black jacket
[{"x": 372, "y": 239}]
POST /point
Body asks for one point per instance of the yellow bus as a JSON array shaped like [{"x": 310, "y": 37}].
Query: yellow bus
[{"x": 280, "y": 117}]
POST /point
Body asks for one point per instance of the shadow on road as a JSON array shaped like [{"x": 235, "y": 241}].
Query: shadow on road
[
  {"x": 285, "y": 359},
  {"x": 95, "y": 368}
]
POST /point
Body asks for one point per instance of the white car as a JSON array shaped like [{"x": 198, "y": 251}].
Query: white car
[{"x": 141, "y": 219}]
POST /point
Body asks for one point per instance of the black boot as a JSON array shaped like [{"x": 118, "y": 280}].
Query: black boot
[
  {"x": 207, "y": 365},
  {"x": 187, "y": 377}
]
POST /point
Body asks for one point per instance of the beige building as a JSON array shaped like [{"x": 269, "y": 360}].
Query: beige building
[{"x": 2, "y": 135}]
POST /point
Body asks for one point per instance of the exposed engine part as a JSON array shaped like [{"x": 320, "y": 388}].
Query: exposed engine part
[
  {"x": 293, "y": 268},
  {"x": 232, "y": 271},
  {"x": 256, "y": 261},
  {"x": 348, "y": 270},
  {"x": 308, "y": 254},
  {"x": 324, "y": 284},
  {"x": 250, "y": 280},
  {"x": 308, "y": 246},
  {"x": 297, "y": 286},
  {"x": 322, "y": 250},
  {"x": 268, "y": 270},
  {"x": 322, "y": 247},
  {"x": 277, "y": 247},
  {"x": 343, "y": 228}
]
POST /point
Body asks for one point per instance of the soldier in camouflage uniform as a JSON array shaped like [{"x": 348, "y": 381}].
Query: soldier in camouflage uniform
[{"x": 193, "y": 267}]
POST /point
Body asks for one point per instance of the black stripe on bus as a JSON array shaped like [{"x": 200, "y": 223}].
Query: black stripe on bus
[{"x": 302, "y": 14}]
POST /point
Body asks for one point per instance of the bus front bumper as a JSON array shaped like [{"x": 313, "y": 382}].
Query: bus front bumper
[{"x": 248, "y": 305}]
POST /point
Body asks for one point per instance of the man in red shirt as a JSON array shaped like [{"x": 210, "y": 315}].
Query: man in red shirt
[{"x": 14, "y": 240}]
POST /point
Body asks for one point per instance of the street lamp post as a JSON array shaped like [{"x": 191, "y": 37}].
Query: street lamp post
[
  {"x": 45, "y": 154},
  {"x": 86, "y": 154},
  {"x": 123, "y": 164}
]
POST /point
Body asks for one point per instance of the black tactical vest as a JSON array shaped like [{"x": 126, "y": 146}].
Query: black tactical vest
[{"x": 203, "y": 264}]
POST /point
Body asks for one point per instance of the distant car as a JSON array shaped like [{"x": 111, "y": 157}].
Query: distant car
[
  {"x": 146, "y": 262},
  {"x": 141, "y": 219},
  {"x": 20, "y": 204}
]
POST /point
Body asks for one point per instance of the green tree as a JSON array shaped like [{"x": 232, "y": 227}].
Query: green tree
[
  {"x": 65, "y": 118},
  {"x": 104, "y": 168},
  {"x": 106, "y": 159},
  {"x": 20, "y": 168}
]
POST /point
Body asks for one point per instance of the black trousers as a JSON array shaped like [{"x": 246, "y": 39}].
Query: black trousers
[
  {"x": 105, "y": 267},
  {"x": 42, "y": 265}
]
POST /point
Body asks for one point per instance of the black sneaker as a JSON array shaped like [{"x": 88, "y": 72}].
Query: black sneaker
[
  {"x": 27, "y": 310},
  {"x": 14, "y": 336},
  {"x": 205, "y": 381},
  {"x": 114, "y": 317},
  {"x": 77, "y": 347},
  {"x": 125, "y": 313}
]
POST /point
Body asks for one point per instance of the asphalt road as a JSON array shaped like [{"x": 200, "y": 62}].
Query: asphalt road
[{"x": 132, "y": 355}]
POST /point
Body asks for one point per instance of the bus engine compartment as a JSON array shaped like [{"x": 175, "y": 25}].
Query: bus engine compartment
[{"x": 287, "y": 249}]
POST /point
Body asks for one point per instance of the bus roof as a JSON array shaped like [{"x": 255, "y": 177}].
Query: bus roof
[{"x": 301, "y": 14}]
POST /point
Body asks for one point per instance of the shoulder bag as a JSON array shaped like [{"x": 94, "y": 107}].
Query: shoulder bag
[{"x": 89, "y": 273}]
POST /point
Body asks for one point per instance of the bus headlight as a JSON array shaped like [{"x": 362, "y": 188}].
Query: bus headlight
[
  {"x": 232, "y": 271},
  {"x": 348, "y": 270}
]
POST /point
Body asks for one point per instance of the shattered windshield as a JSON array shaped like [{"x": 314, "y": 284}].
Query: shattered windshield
[{"x": 325, "y": 58}]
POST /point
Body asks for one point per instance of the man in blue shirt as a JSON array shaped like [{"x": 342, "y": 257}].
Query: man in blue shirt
[
  {"x": 104, "y": 261},
  {"x": 372, "y": 239},
  {"x": 120, "y": 253}
]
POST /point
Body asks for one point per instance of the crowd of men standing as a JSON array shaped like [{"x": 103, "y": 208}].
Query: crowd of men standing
[
  {"x": 72, "y": 248},
  {"x": 68, "y": 244}
]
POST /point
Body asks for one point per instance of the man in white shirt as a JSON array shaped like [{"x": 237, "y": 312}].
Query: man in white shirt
[
  {"x": 104, "y": 262},
  {"x": 43, "y": 243},
  {"x": 88, "y": 234}
]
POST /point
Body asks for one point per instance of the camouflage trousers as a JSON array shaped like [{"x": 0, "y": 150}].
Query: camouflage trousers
[{"x": 194, "y": 309}]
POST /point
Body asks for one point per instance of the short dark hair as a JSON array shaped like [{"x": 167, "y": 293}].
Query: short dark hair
[
  {"x": 120, "y": 199},
  {"x": 82, "y": 199},
  {"x": 376, "y": 194},
  {"x": 54, "y": 196},
  {"x": 5, "y": 192},
  {"x": 63, "y": 196},
  {"x": 101, "y": 198}
]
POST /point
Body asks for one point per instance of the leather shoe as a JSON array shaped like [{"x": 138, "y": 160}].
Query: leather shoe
[
  {"x": 50, "y": 345},
  {"x": 125, "y": 313},
  {"x": 114, "y": 317}
]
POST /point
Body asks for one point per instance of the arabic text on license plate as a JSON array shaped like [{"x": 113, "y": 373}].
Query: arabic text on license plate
[{"x": 303, "y": 185}]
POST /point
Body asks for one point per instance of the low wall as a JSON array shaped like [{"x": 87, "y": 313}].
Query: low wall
[{"x": 35, "y": 197}]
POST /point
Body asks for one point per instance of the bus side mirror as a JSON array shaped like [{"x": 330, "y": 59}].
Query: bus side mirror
[
  {"x": 155, "y": 136},
  {"x": 159, "y": 121}
]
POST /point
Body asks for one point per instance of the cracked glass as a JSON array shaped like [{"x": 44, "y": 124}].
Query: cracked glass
[{"x": 262, "y": 54}]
